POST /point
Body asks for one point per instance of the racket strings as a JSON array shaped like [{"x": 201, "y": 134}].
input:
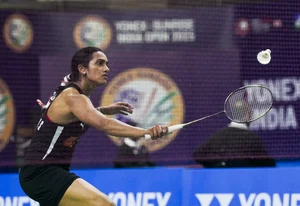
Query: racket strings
[{"x": 248, "y": 104}]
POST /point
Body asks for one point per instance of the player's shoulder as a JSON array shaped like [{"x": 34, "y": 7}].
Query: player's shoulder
[
  {"x": 70, "y": 91},
  {"x": 71, "y": 94}
]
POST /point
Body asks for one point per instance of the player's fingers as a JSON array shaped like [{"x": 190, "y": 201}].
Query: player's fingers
[
  {"x": 156, "y": 131},
  {"x": 125, "y": 104},
  {"x": 127, "y": 109},
  {"x": 160, "y": 131},
  {"x": 165, "y": 130},
  {"x": 40, "y": 103},
  {"x": 124, "y": 113}
]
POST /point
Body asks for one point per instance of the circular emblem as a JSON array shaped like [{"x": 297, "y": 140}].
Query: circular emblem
[
  {"x": 7, "y": 115},
  {"x": 17, "y": 32},
  {"x": 92, "y": 31},
  {"x": 155, "y": 97}
]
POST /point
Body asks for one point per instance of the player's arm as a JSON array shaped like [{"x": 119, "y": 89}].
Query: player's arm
[
  {"x": 84, "y": 110},
  {"x": 116, "y": 108}
]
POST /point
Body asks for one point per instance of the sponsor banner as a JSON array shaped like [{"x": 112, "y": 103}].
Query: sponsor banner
[
  {"x": 138, "y": 30},
  {"x": 180, "y": 187}
]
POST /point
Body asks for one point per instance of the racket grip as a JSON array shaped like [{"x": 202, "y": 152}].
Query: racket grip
[
  {"x": 170, "y": 130},
  {"x": 175, "y": 127}
]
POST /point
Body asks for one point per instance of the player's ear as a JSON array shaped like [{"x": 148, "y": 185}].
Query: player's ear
[{"x": 81, "y": 69}]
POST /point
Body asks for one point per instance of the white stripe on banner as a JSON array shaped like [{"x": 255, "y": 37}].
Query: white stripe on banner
[{"x": 54, "y": 139}]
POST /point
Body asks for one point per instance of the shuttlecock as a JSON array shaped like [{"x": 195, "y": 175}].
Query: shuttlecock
[{"x": 264, "y": 57}]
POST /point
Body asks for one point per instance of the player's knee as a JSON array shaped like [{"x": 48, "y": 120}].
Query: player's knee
[
  {"x": 112, "y": 204},
  {"x": 100, "y": 201}
]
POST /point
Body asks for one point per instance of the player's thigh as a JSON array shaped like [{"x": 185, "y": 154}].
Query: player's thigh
[{"x": 82, "y": 193}]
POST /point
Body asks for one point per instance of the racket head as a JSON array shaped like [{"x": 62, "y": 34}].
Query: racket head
[{"x": 248, "y": 103}]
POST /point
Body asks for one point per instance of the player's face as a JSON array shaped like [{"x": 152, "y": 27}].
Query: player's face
[{"x": 98, "y": 69}]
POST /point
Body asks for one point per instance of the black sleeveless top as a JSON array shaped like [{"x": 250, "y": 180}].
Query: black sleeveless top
[{"x": 54, "y": 143}]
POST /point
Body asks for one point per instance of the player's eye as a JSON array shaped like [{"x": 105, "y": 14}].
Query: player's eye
[{"x": 101, "y": 62}]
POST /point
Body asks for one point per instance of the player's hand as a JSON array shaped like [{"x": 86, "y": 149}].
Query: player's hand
[
  {"x": 117, "y": 108},
  {"x": 42, "y": 105},
  {"x": 157, "y": 131}
]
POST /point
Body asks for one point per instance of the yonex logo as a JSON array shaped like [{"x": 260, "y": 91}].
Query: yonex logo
[
  {"x": 252, "y": 199},
  {"x": 206, "y": 199},
  {"x": 17, "y": 201},
  {"x": 140, "y": 198}
]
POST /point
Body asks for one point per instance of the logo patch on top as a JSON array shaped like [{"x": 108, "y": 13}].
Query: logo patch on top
[
  {"x": 155, "y": 97},
  {"x": 18, "y": 32},
  {"x": 7, "y": 115},
  {"x": 92, "y": 31}
]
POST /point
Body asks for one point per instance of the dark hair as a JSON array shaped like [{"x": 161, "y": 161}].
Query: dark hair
[{"x": 83, "y": 57}]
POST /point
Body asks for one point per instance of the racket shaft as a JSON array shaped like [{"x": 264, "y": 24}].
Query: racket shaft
[{"x": 197, "y": 120}]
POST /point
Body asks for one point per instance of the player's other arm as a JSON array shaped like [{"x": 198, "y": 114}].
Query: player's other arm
[{"x": 84, "y": 110}]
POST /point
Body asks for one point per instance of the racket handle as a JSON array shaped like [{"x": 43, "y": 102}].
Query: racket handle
[
  {"x": 175, "y": 127},
  {"x": 170, "y": 130}
]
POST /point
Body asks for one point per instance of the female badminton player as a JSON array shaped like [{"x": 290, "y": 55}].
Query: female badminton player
[{"x": 67, "y": 115}]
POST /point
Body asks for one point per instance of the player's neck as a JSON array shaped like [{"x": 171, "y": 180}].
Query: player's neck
[{"x": 86, "y": 88}]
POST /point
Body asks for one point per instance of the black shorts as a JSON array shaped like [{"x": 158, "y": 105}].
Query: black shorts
[{"x": 46, "y": 184}]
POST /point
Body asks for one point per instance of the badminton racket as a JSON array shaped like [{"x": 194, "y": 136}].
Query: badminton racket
[{"x": 243, "y": 105}]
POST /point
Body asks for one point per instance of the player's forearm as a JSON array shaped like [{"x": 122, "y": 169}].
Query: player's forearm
[{"x": 120, "y": 129}]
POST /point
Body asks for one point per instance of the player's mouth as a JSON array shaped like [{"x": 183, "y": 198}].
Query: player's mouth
[{"x": 105, "y": 76}]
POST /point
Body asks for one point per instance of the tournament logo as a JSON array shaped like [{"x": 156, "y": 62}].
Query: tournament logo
[
  {"x": 156, "y": 100},
  {"x": 7, "y": 115},
  {"x": 92, "y": 31},
  {"x": 18, "y": 33}
]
